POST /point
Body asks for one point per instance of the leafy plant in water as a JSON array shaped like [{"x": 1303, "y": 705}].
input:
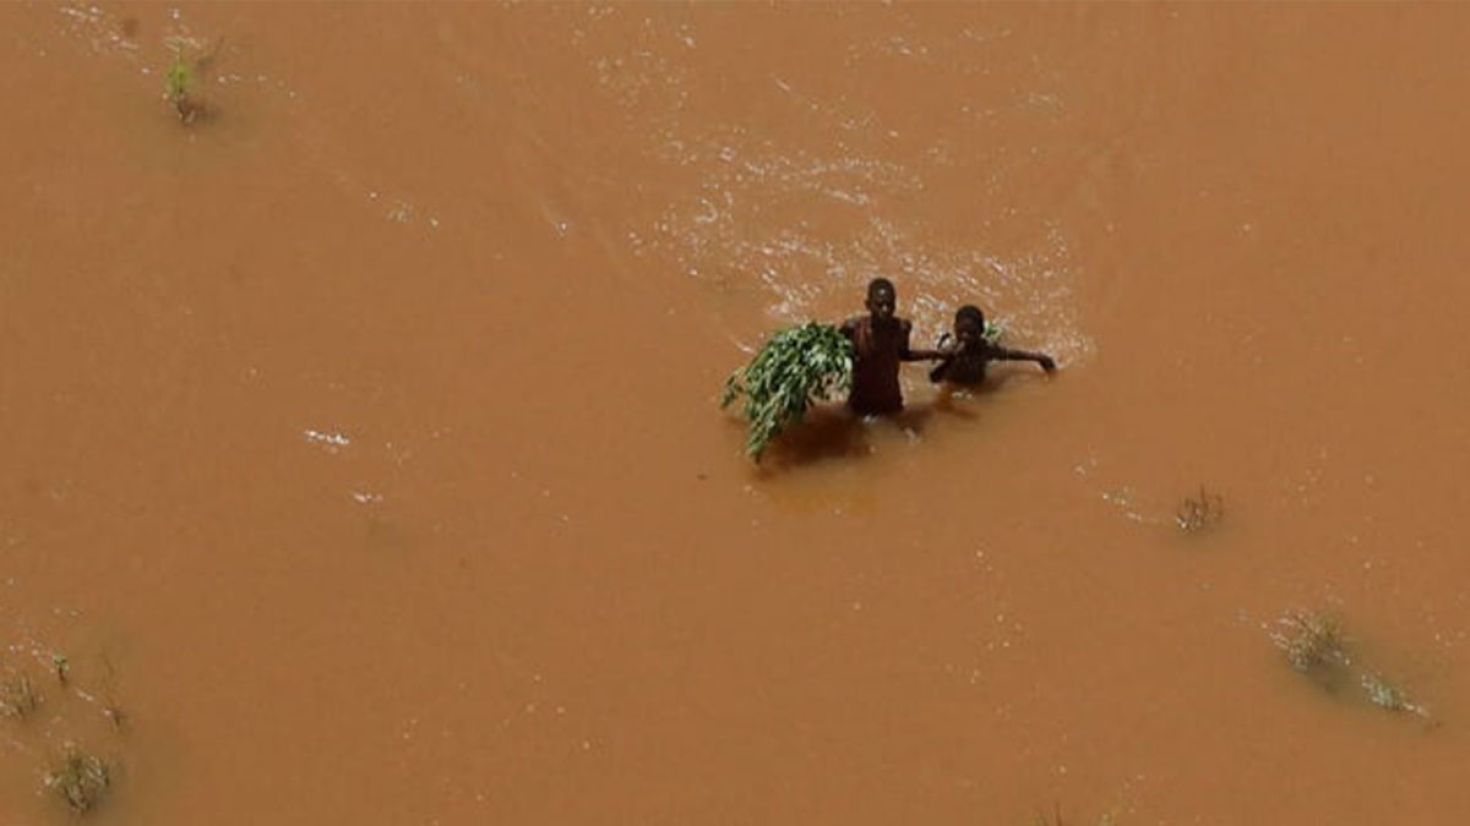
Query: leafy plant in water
[
  {"x": 18, "y": 697},
  {"x": 60, "y": 667},
  {"x": 796, "y": 368},
  {"x": 1200, "y": 513},
  {"x": 80, "y": 779}
]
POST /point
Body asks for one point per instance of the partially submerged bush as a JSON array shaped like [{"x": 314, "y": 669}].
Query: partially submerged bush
[
  {"x": 18, "y": 696},
  {"x": 80, "y": 779},
  {"x": 1313, "y": 643},
  {"x": 796, "y": 368},
  {"x": 1198, "y": 513}
]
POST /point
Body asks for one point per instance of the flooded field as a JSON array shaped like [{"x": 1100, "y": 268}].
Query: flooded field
[{"x": 361, "y": 461}]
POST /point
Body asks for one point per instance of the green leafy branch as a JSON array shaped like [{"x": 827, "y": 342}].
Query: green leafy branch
[{"x": 798, "y": 367}]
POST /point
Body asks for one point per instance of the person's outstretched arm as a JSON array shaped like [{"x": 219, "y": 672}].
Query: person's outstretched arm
[
  {"x": 1007, "y": 354},
  {"x": 906, "y": 353}
]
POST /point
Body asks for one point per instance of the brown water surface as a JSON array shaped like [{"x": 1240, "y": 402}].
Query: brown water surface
[{"x": 358, "y": 443}]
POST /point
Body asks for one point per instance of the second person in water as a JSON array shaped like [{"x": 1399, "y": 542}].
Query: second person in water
[
  {"x": 965, "y": 355},
  {"x": 880, "y": 343}
]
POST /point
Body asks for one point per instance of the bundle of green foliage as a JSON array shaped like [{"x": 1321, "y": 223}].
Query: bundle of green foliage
[{"x": 796, "y": 368}]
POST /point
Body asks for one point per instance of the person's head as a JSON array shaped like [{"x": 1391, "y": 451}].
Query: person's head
[
  {"x": 969, "y": 323},
  {"x": 882, "y": 299}
]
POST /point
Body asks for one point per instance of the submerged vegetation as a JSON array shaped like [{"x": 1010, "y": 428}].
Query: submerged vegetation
[
  {"x": 798, "y": 367},
  {"x": 80, "y": 779},
  {"x": 18, "y": 696},
  {"x": 1312, "y": 642},
  {"x": 1388, "y": 695},
  {"x": 1384, "y": 694},
  {"x": 1314, "y": 645},
  {"x": 1201, "y": 512}
]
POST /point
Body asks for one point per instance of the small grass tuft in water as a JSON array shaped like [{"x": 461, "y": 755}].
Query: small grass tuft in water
[
  {"x": 61, "y": 668},
  {"x": 115, "y": 716},
  {"x": 18, "y": 697},
  {"x": 1200, "y": 513},
  {"x": 178, "y": 86},
  {"x": 80, "y": 779},
  {"x": 1312, "y": 642}
]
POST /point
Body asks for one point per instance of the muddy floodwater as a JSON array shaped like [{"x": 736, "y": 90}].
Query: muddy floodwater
[{"x": 361, "y": 459}]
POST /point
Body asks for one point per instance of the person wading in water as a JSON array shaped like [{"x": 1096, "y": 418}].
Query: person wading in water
[
  {"x": 964, "y": 357},
  {"x": 880, "y": 341}
]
